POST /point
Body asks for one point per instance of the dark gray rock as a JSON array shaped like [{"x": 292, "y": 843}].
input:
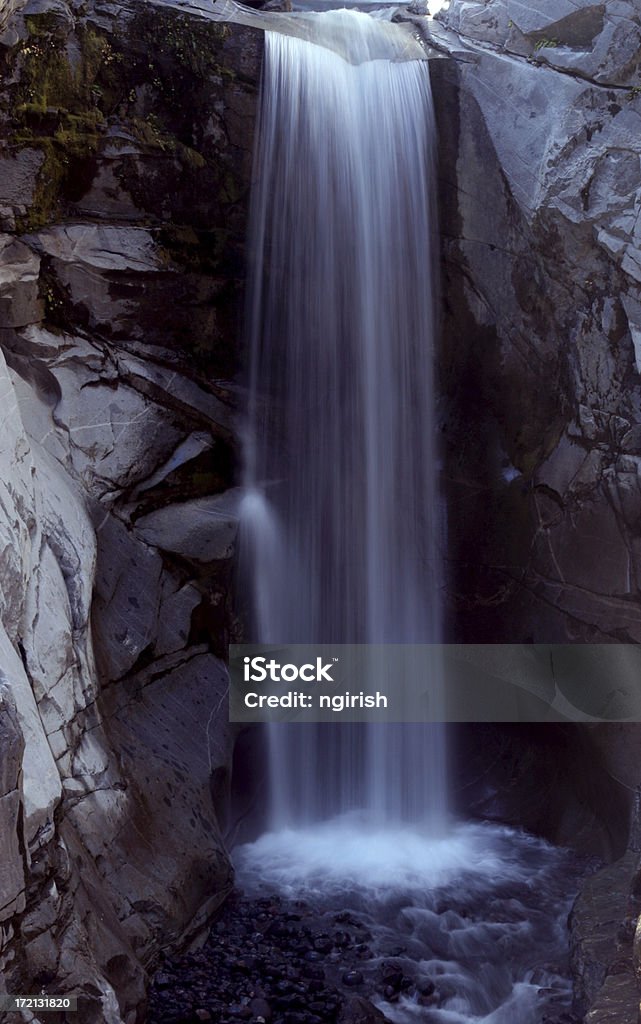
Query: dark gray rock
[
  {"x": 601, "y": 949},
  {"x": 358, "y": 1010},
  {"x": 538, "y": 112},
  {"x": 540, "y": 181},
  {"x": 12, "y": 877},
  {"x": 123, "y": 198}
]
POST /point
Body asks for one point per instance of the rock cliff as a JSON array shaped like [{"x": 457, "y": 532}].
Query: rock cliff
[
  {"x": 540, "y": 129},
  {"x": 539, "y": 111},
  {"x": 124, "y": 168}
]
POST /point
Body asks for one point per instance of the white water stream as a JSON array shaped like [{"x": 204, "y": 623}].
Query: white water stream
[
  {"x": 343, "y": 525},
  {"x": 342, "y": 511}
]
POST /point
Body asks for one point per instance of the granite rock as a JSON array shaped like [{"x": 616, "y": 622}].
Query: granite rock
[{"x": 123, "y": 199}]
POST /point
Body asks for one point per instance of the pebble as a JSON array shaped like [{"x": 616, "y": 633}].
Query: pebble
[
  {"x": 270, "y": 961},
  {"x": 266, "y": 961},
  {"x": 260, "y": 1008},
  {"x": 353, "y": 978}
]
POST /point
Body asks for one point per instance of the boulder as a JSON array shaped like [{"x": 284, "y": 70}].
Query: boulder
[
  {"x": 204, "y": 530},
  {"x": 600, "y": 42},
  {"x": 20, "y": 302}
]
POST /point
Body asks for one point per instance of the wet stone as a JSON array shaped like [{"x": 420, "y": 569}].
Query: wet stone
[
  {"x": 323, "y": 943},
  {"x": 392, "y": 976},
  {"x": 261, "y": 1008},
  {"x": 265, "y": 962},
  {"x": 353, "y": 978}
]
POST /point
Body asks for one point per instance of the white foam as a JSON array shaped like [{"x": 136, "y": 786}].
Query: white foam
[
  {"x": 350, "y": 852},
  {"x": 480, "y": 910}
]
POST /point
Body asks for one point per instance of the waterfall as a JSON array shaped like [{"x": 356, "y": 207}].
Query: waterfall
[{"x": 342, "y": 509}]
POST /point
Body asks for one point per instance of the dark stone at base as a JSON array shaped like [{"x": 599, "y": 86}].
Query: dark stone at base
[
  {"x": 270, "y": 974},
  {"x": 360, "y": 1011},
  {"x": 601, "y": 949},
  {"x": 353, "y": 978}
]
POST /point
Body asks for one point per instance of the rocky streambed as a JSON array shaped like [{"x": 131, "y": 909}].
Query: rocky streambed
[
  {"x": 274, "y": 959},
  {"x": 486, "y": 941}
]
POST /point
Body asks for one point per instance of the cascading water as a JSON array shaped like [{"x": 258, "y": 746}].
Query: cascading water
[
  {"x": 342, "y": 509},
  {"x": 341, "y": 516}
]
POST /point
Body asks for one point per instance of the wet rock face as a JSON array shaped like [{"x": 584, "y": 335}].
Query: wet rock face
[
  {"x": 596, "y": 41},
  {"x": 602, "y": 926},
  {"x": 539, "y": 114},
  {"x": 539, "y": 117},
  {"x": 12, "y": 886},
  {"x": 123, "y": 195}
]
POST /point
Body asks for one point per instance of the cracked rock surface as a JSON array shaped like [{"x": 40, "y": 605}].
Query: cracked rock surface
[
  {"x": 124, "y": 167},
  {"x": 539, "y": 114},
  {"x": 540, "y": 173}
]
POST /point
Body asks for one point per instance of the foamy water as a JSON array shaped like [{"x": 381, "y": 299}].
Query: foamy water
[{"x": 481, "y": 912}]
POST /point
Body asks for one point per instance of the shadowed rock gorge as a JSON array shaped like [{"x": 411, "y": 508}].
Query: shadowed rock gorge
[
  {"x": 125, "y": 163},
  {"x": 125, "y": 166}
]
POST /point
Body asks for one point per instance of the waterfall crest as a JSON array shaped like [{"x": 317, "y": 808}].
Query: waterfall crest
[{"x": 342, "y": 510}]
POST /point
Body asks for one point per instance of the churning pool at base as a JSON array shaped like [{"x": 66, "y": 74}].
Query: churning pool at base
[{"x": 475, "y": 919}]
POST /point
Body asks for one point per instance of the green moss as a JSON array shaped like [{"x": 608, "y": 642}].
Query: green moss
[
  {"x": 50, "y": 178},
  {"x": 231, "y": 191},
  {"x": 187, "y": 42},
  {"x": 58, "y": 107},
  {"x": 155, "y": 77},
  {"x": 151, "y": 132},
  {"x": 197, "y": 251},
  {"x": 44, "y": 25},
  {"x": 191, "y": 157},
  {"x": 545, "y": 43},
  {"x": 74, "y": 140},
  {"x": 46, "y": 80},
  {"x": 179, "y": 56}
]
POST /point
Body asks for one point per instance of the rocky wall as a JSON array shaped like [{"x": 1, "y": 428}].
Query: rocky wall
[
  {"x": 539, "y": 123},
  {"x": 124, "y": 171},
  {"x": 539, "y": 112}
]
